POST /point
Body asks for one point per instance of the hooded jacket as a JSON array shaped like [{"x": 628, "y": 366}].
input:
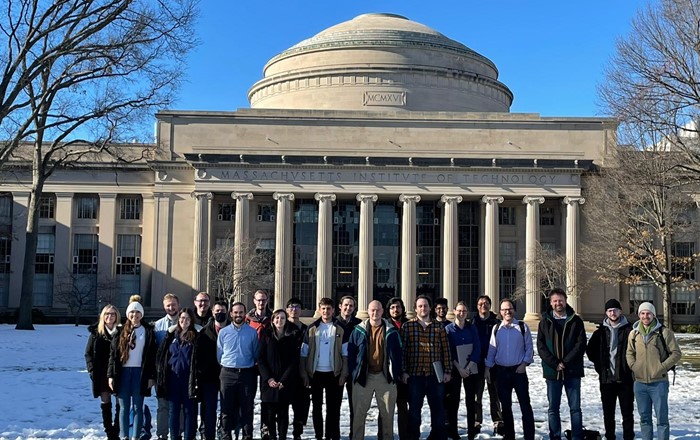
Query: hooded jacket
[
  {"x": 645, "y": 353},
  {"x": 97, "y": 357},
  {"x": 148, "y": 361},
  {"x": 598, "y": 352},
  {"x": 567, "y": 347},
  {"x": 358, "y": 352},
  {"x": 163, "y": 366}
]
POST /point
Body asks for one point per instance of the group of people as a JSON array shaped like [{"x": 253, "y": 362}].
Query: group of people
[{"x": 198, "y": 357}]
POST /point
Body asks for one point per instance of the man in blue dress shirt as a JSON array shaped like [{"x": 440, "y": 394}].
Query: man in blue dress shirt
[
  {"x": 510, "y": 352},
  {"x": 236, "y": 350}
]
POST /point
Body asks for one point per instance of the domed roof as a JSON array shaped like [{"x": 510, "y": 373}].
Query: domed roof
[{"x": 381, "y": 62}]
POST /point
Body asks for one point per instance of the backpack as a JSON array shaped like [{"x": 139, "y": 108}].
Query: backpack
[{"x": 666, "y": 352}]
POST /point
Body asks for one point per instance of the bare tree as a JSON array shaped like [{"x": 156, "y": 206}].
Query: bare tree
[
  {"x": 83, "y": 292},
  {"x": 79, "y": 77},
  {"x": 257, "y": 270},
  {"x": 642, "y": 213}
]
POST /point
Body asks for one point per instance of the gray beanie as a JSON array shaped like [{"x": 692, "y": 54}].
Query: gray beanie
[{"x": 646, "y": 306}]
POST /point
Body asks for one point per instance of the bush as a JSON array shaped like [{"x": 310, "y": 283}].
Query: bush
[{"x": 687, "y": 328}]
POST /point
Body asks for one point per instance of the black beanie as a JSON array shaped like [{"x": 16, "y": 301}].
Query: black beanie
[{"x": 613, "y": 304}]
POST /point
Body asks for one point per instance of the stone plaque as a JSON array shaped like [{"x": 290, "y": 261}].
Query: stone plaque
[{"x": 395, "y": 99}]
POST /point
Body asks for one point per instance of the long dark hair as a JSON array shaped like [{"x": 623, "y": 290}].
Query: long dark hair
[
  {"x": 127, "y": 335},
  {"x": 186, "y": 335}
]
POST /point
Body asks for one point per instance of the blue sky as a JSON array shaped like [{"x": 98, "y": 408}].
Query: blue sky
[{"x": 551, "y": 54}]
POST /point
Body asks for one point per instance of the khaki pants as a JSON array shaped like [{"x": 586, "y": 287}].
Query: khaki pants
[{"x": 386, "y": 402}]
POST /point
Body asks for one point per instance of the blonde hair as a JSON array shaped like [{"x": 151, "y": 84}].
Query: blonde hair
[{"x": 101, "y": 322}]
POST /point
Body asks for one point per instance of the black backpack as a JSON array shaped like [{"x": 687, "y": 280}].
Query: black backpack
[{"x": 522, "y": 330}]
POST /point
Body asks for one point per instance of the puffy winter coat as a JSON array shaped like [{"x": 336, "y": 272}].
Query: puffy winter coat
[
  {"x": 163, "y": 366},
  {"x": 278, "y": 359},
  {"x": 645, "y": 354},
  {"x": 97, "y": 357},
  {"x": 148, "y": 361},
  {"x": 569, "y": 347},
  {"x": 598, "y": 351}
]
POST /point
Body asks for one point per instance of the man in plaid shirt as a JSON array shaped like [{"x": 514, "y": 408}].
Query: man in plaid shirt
[{"x": 425, "y": 343}]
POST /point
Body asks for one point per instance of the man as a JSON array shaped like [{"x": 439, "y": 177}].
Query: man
[
  {"x": 171, "y": 305},
  {"x": 652, "y": 351},
  {"x": 209, "y": 370},
  {"x": 349, "y": 321},
  {"x": 397, "y": 316},
  {"x": 607, "y": 349},
  {"x": 561, "y": 343},
  {"x": 260, "y": 317},
  {"x": 465, "y": 348},
  {"x": 510, "y": 352},
  {"x": 374, "y": 362},
  {"x": 324, "y": 366},
  {"x": 484, "y": 321},
  {"x": 237, "y": 350},
  {"x": 426, "y": 365},
  {"x": 301, "y": 398},
  {"x": 441, "y": 309},
  {"x": 202, "y": 307}
]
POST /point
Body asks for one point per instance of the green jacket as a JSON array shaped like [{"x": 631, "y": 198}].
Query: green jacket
[{"x": 645, "y": 353}]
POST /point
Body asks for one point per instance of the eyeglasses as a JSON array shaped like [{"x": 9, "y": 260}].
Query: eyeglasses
[
  {"x": 294, "y": 307},
  {"x": 507, "y": 310},
  {"x": 259, "y": 300},
  {"x": 110, "y": 314},
  {"x": 201, "y": 301}
]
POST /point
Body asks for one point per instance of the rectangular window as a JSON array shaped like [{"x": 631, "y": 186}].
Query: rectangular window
[
  {"x": 128, "y": 259},
  {"x": 266, "y": 212},
  {"x": 86, "y": 207},
  {"x": 547, "y": 216},
  {"x": 508, "y": 269},
  {"x": 5, "y": 209},
  {"x": 47, "y": 207},
  {"x": 683, "y": 262},
  {"x": 5, "y": 253},
  {"x": 506, "y": 215},
  {"x": 227, "y": 212},
  {"x": 641, "y": 292},
  {"x": 130, "y": 208},
  {"x": 85, "y": 254},
  {"x": 45, "y": 250}
]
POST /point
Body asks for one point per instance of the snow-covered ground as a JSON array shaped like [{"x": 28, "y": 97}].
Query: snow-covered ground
[{"x": 45, "y": 391}]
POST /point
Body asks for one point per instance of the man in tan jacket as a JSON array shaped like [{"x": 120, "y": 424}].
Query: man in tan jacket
[{"x": 652, "y": 351}]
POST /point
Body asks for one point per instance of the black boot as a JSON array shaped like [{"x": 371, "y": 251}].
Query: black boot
[{"x": 107, "y": 421}]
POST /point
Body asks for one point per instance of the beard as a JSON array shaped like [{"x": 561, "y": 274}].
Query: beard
[{"x": 238, "y": 320}]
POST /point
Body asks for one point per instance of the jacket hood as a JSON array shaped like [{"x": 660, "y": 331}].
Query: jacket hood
[
  {"x": 637, "y": 324},
  {"x": 623, "y": 323}
]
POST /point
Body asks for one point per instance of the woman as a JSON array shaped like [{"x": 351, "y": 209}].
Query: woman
[
  {"x": 97, "y": 361},
  {"x": 132, "y": 370},
  {"x": 177, "y": 374},
  {"x": 277, "y": 360}
]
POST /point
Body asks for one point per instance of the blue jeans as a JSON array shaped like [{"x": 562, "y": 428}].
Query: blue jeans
[
  {"x": 507, "y": 381},
  {"x": 572, "y": 386},
  {"x": 420, "y": 387},
  {"x": 652, "y": 394},
  {"x": 130, "y": 392}
]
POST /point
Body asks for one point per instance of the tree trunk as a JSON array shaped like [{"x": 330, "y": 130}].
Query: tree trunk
[
  {"x": 667, "y": 306},
  {"x": 26, "y": 301}
]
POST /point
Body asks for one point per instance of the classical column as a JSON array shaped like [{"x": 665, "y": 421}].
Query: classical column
[
  {"x": 283, "y": 249},
  {"x": 107, "y": 237},
  {"x": 450, "y": 246},
  {"x": 491, "y": 247},
  {"x": 324, "y": 246},
  {"x": 365, "y": 276},
  {"x": 162, "y": 243},
  {"x": 200, "y": 250},
  {"x": 148, "y": 241},
  {"x": 408, "y": 249},
  {"x": 241, "y": 234},
  {"x": 64, "y": 219},
  {"x": 532, "y": 236},
  {"x": 572, "y": 204}
]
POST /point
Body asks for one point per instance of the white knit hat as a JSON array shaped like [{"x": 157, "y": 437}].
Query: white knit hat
[
  {"x": 648, "y": 307},
  {"x": 135, "y": 306}
]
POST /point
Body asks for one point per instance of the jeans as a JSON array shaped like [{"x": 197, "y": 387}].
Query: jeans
[
  {"x": 507, "y": 381},
  {"x": 452, "y": 398},
  {"x": 428, "y": 386},
  {"x": 209, "y": 402},
  {"x": 652, "y": 394},
  {"x": 130, "y": 392},
  {"x": 180, "y": 403},
  {"x": 572, "y": 386},
  {"x": 610, "y": 393}
]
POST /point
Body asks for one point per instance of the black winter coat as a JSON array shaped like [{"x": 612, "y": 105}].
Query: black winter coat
[
  {"x": 207, "y": 364},
  {"x": 484, "y": 327},
  {"x": 569, "y": 347},
  {"x": 97, "y": 358},
  {"x": 148, "y": 361},
  {"x": 278, "y": 359},
  {"x": 598, "y": 352},
  {"x": 163, "y": 367}
]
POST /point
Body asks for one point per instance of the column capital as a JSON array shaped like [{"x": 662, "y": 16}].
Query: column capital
[
  {"x": 409, "y": 198},
  {"x": 451, "y": 199},
  {"x": 528, "y": 200},
  {"x": 366, "y": 198},
  {"x": 240, "y": 196},
  {"x": 202, "y": 195},
  {"x": 492, "y": 199},
  {"x": 322, "y": 197},
  {"x": 573, "y": 200},
  {"x": 282, "y": 196}
]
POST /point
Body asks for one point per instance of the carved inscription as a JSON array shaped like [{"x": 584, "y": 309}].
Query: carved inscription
[{"x": 396, "y": 99}]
